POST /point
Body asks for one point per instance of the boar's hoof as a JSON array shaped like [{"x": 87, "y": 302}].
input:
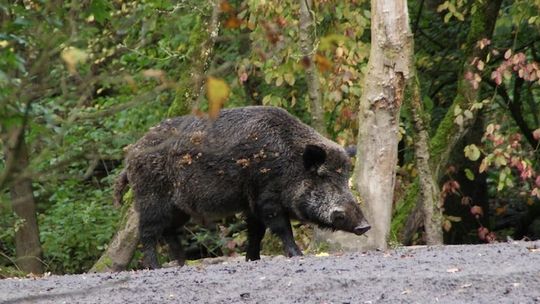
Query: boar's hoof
[
  {"x": 359, "y": 230},
  {"x": 292, "y": 252}
]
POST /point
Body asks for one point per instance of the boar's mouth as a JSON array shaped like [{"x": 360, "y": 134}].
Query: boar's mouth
[{"x": 359, "y": 230}]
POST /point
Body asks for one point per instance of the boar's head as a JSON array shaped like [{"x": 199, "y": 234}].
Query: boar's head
[{"x": 323, "y": 196}]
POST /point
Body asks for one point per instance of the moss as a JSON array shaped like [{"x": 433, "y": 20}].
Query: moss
[
  {"x": 182, "y": 100},
  {"x": 439, "y": 142},
  {"x": 404, "y": 208},
  {"x": 102, "y": 265}
]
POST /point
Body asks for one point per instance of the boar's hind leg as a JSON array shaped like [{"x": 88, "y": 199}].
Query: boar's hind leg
[
  {"x": 255, "y": 230},
  {"x": 171, "y": 237},
  {"x": 275, "y": 218},
  {"x": 155, "y": 216},
  {"x": 150, "y": 232}
]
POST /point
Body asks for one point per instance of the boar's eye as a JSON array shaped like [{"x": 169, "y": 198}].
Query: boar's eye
[
  {"x": 314, "y": 156},
  {"x": 338, "y": 216}
]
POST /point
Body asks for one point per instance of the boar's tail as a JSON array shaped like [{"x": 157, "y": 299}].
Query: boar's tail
[{"x": 120, "y": 188}]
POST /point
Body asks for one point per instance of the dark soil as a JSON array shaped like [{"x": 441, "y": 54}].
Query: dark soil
[{"x": 498, "y": 273}]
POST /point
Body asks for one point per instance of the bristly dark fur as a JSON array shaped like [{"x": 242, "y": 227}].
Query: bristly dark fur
[{"x": 257, "y": 160}]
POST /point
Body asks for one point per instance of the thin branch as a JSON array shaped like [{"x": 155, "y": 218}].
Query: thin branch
[
  {"x": 514, "y": 106},
  {"x": 418, "y": 15}
]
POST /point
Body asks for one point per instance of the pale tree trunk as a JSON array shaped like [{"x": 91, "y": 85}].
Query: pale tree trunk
[
  {"x": 307, "y": 46},
  {"x": 122, "y": 247},
  {"x": 430, "y": 193},
  {"x": 382, "y": 96},
  {"x": 27, "y": 244}
]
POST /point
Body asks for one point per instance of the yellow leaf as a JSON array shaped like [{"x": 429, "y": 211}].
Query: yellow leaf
[
  {"x": 323, "y": 64},
  {"x": 322, "y": 254},
  {"x": 73, "y": 56},
  {"x": 217, "y": 92},
  {"x": 155, "y": 73}
]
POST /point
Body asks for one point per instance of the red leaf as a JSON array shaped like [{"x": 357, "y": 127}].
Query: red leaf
[
  {"x": 482, "y": 233},
  {"x": 477, "y": 211},
  {"x": 536, "y": 134},
  {"x": 507, "y": 54}
]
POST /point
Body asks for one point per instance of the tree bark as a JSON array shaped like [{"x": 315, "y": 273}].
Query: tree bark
[
  {"x": 307, "y": 46},
  {"x": 430, "y": 193},
  {"x": 27, "y": 244},
  {"x": 448, "y": 134},
  {"x": 388, "y": 72},
  {"x": 122, "y": 247}
]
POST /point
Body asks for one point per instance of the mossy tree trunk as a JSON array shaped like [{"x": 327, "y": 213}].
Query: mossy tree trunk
[
  {"x": 430, "y": 193},
  {"x": 122, "y": 247},
  {"x": 191, "y": 85},
  {"x": 308, "y": 48},
  {"x": 448, "y": 134}
]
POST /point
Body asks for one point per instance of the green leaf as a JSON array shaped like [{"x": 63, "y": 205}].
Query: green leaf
[
  {"x": 472, "y": 152},
  {"x": 268, "y": 78},
  {"x": 469, "y": 174},
  {"x": 457, "y": 110},
  {"x": 279, "y": 81},
  {"x": 100, "y": 10},
  {"x": 453, "y": 218},
  {"x": 289, "y": 78},
  {"x": 447, "y": 17}
]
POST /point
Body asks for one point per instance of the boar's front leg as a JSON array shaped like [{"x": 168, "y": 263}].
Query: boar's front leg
[
  {"x": 255, "y": 231},
  {"x": 176, "y": 251},
  {"x": 275, "y": 218}
]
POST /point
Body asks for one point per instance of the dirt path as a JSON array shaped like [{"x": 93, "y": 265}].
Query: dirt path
[{"x": 500, "y": 273}]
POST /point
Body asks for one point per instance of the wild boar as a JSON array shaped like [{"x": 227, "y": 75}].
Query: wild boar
[{"x": 258, "y": 160}]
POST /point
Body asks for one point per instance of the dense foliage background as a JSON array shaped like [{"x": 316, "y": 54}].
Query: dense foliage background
[{"x": 83, "y": 79}]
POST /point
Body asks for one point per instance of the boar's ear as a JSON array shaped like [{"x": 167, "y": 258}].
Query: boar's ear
[{"x": 314, "y": 156}]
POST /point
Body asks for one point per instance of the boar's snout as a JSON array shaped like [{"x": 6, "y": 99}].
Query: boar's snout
[
  {"x": 361, "y": 229},
  {"x": 350, "y": 220}
]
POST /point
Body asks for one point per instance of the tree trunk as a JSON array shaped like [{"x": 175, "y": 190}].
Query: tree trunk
[
  {"x": 307, "y": 45},
  {"x": 430, "y": 193},
  {"x": 188, "y": 94},
  {"x": 27, "y": 244},
  {"x": 388, "y": 72},
  {"x": 122, "y": 247},
  {"x": 448, "y": 134}
]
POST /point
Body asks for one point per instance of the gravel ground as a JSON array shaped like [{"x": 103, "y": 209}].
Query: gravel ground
[{"x": 498, "y": 273}]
